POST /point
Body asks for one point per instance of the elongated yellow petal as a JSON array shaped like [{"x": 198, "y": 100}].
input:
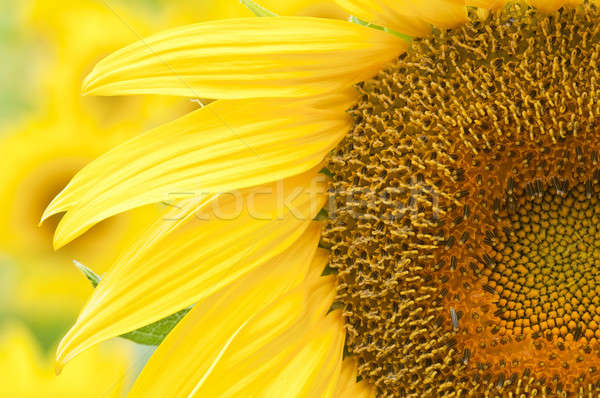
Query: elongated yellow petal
[
  {"x": 289, "y": 349},
  {"x": 348, "y": 387},
  {"x": 377, "y": 12},
  {"x": 413, "y": 17},
  {"x": 312, "y": 370},
  {"x": 224, "y": 146},
  {"x": 247, "y": 58},
  {"x": 489, "y": 4},
  {"x": 547, "y": 6},
  {"x": 441, "y": 13},
  {"x": 226, "y": 240}
]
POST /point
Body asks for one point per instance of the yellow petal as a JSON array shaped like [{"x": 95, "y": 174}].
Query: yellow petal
[
  {"x": 376, "y": 12},
  {"x": 441, "y": 13},
  {"x": 222, "y": 243},
  {"x": 574, "y": 3},
  {"x": 413, "y": 18},
  {"x": 489, "y": 4},
  {"x": 348, "y": 387},
  {"x": 311, "y": 369},
  {"x": 224, "y": 146},
  {"x": 289, "y": 349},
  {"x": 247, "y": 58},
  {"x": 547, "y": 6}
]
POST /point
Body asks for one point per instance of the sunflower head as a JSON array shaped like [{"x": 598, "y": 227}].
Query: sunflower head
[{"x": 466, "y": 197}]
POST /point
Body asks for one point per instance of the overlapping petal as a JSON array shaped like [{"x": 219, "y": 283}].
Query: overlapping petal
[
  {"x": 376, "y": 12},
  {"x": 247, "y": 58},
  {"x": 548, "y": 6},
  {"x": 226, "y": 347},
  {"x": 413, "y": 17},
  {"x": 225, "y": 240},
  {"x": 489, "y": 4},
  {"x": 258, "y": 327},
  {"x": 348, "y": 386},
  {"x": 224, "y": 146}
]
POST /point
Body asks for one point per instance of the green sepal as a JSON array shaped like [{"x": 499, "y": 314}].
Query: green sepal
[
  {"x": 322, "y": 215},
  {"x": 329, "y": 271},
  {"x": 337, "y": 305},
  {"x": 359, "y": 21},
  {"x": 152, "y": 334},
  {"x": 258, "y": 10},
  {"x": 327, "y": 172},
  {"x": 323, "y": 246}
]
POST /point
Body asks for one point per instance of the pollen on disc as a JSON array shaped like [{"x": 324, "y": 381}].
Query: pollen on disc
[{"x": 465, "y": 234}]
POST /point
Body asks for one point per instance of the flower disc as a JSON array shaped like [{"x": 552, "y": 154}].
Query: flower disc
[{"x": 465, "y": 232}]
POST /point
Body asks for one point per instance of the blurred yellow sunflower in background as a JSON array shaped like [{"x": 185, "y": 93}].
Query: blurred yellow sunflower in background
[
  {"x": 47, "y": 133},
  {"x": 186, "y": 11},
  {"x": 45, "y": 139},
  {"x": 458, "y": 255},
  {"x": 27, "y": 372},
  {"x": 45, "y": 146}
]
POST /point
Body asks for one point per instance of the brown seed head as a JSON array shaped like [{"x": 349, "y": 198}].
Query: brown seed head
[{"x": 467, "y": 199}]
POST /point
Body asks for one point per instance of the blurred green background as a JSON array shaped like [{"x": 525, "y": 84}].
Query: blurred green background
[{"x": 47, "y": 133}]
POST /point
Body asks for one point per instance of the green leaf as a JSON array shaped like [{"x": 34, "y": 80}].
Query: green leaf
[
  {"x": 259, "y": 11},
  {"x": 329, "y": 271},
  {"x": 359, "y": 21},
  {"x": 152, "y": 334},
  {"x": 156, "y": 332}
]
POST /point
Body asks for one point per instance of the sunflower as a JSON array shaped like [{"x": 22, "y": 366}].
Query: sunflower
[
  {"x": 27, "y": 373},
  {"x": 71, "y": 43},
  {"x": 14, "y": 94},
  {"x": 40, "y": 157},
  {"x": 186, "y": 11},
  {"x": 458, "y": 252},
  {"x": 45, "y": 149}
]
